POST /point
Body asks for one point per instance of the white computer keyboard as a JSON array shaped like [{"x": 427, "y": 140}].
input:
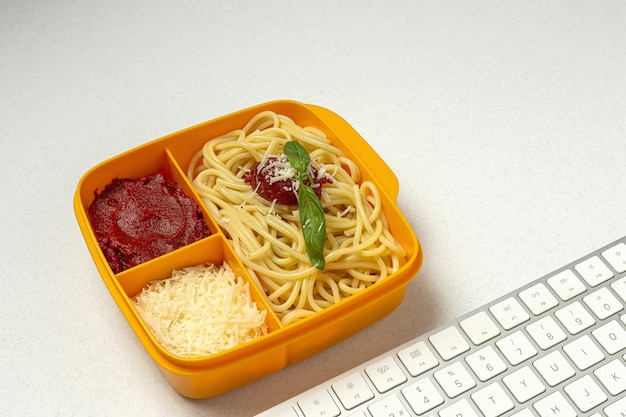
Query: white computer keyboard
[{"x": 554, "y": 348}]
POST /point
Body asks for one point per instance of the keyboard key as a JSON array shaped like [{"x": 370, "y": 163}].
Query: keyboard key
[
  {"x": 492, "y": 401},
  {"x": 449, "y": 343},
  {"x": 523, "y": 413},
  {"x": 566, "y": 285},
  {"x": 611, "y": 336},
  {"x": 358, "y": 414},
  {"x": 585, "y": 393},
  {"x": 422, "y": 396},
  {"x": 554, "y": 368},
  {"x": 603, "y": 303},
  {"x": 479, "y": 328},
  {"x": 352, "y": 391},
  {"x": 516, "y": 348},
  {"x": 554, "y": 405},
  {"x": 388, "y": 406},
  {"x": 385, "y": 374},
  {"x": 454, "y": 379},
  {"x": 418, "y": 358},
  {"x": 546, "y": 333},
  {"x": 594, "y": 271},
  {"x": 575, "y": 317},
  {"x": 616, "y": 257},
  {"x": 617, "y": 409},
  {"x": 583, "y": 352},
  {"x": 286, "y": 411},
  {"x": 509, "y": 313},
  {"x": 612, "y": 376},
  {"x": 538, "y": 299},
  {"x": 619, "y": 287},
  {"x": 486, "y": 363},
  {"x": 318, "y": 404},
  {"x": 459, "y": 409},
  {"x": 524, "y": 384}
]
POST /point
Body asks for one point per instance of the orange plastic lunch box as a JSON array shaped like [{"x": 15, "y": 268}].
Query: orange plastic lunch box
[{"x": 282, "y": 345}]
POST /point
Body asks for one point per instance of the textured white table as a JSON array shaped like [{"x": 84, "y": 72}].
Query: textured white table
[{"x": 504, "y": 122}]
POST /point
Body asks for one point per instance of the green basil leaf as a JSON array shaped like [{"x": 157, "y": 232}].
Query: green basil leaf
[
  {"x": 313, "y": 224},
  {"x": 297, "y": 155},
  {"x": 311, "y": 211}
]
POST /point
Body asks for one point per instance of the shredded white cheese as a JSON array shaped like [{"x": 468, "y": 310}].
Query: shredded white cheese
[
  {"x": 201, "y": 310},
  {"x": 276, "y": 168}
]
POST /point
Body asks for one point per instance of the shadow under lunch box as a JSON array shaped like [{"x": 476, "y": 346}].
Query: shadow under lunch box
[{"x": 283, "y": 344}]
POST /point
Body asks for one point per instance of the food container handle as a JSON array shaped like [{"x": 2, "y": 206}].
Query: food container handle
[{"x": 366, "y": 153}]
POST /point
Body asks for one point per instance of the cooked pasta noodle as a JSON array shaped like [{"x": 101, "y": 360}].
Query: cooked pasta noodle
[{"x": 359, "y": 248}]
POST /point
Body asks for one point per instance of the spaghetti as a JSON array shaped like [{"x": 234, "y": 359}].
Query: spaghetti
[{"x": 359, "y": 249}]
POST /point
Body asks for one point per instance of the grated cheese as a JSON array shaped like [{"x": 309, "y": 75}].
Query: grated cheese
[
  {"x": 201, "y": 310},
  {"x": 277, "y": 169}
]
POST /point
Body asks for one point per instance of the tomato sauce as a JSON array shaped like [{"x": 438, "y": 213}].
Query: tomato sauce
[
  {"x": 136, "y": 220},
  {"x": 263, "y": 179}
]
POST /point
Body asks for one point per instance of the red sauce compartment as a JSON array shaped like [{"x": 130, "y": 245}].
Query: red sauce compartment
[{"x": 153, "y": 160}]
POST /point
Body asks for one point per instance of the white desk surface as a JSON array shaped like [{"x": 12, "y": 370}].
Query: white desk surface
[{"x": 504, "y": 122}]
